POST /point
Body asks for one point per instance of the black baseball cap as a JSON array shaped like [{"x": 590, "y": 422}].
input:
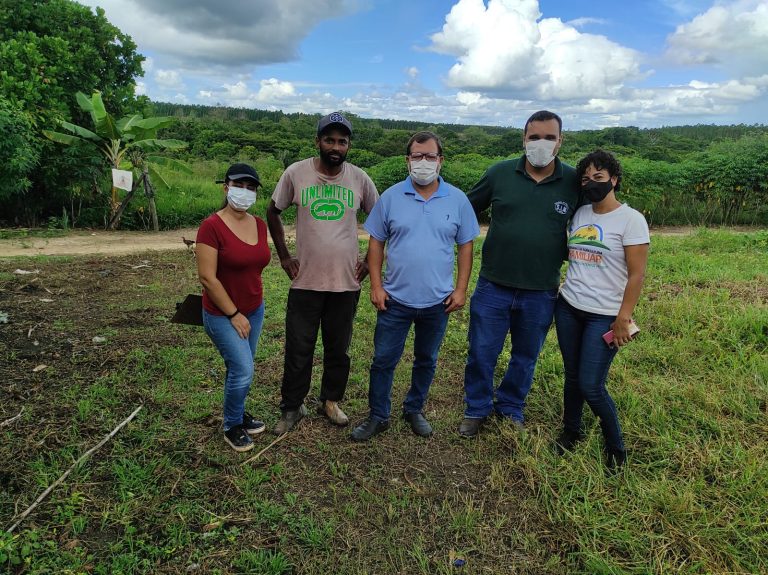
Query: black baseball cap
[
  {"x": 334, "y": 119},
  {"x": 240, "y": 172}
]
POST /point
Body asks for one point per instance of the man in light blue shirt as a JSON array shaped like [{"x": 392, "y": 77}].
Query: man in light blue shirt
[{"x": 420, "y": 220}]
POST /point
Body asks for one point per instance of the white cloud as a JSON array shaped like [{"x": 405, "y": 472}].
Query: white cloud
[
  {"x": 237, "y": 91},
  {"x": 758, "y": 81},
  {"x": 505, "y": 48},
  {"x": 494, "y": 45},
  {"x": 274, "y": 89},
  {"x": 471, "y": 98},
  {"x": 169, "y": 79},
  {"x": 582, "y": 65},
  {"x": 412, "y": 72},
  {"x": 580, "y": 22},
  {"x": 733, "y": 35}
]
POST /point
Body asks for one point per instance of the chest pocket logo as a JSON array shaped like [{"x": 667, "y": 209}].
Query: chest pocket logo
[{"x": 561, "y": 208}]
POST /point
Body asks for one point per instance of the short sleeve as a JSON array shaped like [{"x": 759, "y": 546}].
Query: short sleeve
[
  {"x": 207, "y": 235},
  {"x": 636, "y": 232},
  {"x": 480, "y": 194},
  {"x": 370, "y": 195},
  {"x": 469, "y": 229},
  {"x": 284, "y": 192},
  {"x": 375, "y": 224}
]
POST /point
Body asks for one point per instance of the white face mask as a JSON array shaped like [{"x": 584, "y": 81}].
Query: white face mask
[
  {"x": 424, "y": 172},
  {"x": 540, "y": 152},
  {"x": 240, "y": 198}
]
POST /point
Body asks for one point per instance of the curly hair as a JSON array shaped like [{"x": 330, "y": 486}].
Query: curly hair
[{"x": 601, "y": 160}]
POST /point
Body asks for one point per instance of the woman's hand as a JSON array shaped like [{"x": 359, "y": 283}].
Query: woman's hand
[
  {"x": 621, "y": 335},
  {"x": 241, "y": 324}
]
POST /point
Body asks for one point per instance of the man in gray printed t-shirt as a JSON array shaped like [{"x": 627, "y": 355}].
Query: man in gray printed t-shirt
[{"x": 325, "y": 273}]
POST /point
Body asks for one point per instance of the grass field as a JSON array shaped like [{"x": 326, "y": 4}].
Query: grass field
[{"x": 166, "y": 495}]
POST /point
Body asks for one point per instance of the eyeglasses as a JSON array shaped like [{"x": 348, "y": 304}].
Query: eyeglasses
[{"x": 431, "y": 157}]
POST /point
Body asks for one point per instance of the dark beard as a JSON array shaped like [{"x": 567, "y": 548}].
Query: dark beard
[{"x": 326, "y": 159}]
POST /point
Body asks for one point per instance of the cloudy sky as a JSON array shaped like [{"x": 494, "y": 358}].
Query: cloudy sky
[{"x": 597, "y": 63}]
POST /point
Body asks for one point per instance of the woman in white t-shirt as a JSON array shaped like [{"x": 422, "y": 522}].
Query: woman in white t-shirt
[{"x": 607, "y": 253}]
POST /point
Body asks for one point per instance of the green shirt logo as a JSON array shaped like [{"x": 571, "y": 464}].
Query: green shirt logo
[
  {"x": 327, "y": 209},
  {"x": 327, "y": 201}
]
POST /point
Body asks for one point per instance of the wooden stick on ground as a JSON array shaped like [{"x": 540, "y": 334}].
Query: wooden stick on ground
[
  {"x": 84, "y": 456},
  {"x": 255, "y": 457},
  {"x": 11, "y": 420}
]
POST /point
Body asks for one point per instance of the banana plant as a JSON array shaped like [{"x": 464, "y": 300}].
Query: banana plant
[{"x": 130, "y": 142}]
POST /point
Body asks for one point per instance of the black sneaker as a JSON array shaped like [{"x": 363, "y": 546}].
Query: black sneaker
[
  {"x": 238, "y": 439},
  {"x": 251, "y": 425}
]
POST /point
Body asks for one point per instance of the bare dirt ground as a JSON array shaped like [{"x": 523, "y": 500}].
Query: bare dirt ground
[{"x": 92, "y": 242}]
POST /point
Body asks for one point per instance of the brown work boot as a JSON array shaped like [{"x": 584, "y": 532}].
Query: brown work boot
[{"x": 332, "y": 411}]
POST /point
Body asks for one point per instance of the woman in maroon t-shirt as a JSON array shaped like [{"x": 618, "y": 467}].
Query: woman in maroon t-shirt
[{"x": 232, "y": 251}]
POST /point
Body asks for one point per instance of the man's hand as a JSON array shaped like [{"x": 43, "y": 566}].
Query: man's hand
[
  {"x": 456, "y": 300},
  {"x": 291, "y": 267},
  {"x": 242, "y": 325},
  {"x": 379, "y": 298},
  {"x": 361, "y": 270}
]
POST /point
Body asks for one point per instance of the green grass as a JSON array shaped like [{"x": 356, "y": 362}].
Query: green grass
[{"x": 167, "y": 496}]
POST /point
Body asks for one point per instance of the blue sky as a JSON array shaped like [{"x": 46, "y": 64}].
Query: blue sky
[{"x": 598, "y": 63}]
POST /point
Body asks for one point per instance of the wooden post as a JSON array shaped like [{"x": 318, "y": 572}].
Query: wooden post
[
  {"x": 149, "y": 191},
  {"x": 115, "y": 219}
]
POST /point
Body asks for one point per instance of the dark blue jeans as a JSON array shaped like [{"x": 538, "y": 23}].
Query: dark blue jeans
[
  {"x": 586, "y": 359},
  {"x": 392, "y": 327},
  {"x": 238, "y": 356},
  {"x": 495, "y": 311}
]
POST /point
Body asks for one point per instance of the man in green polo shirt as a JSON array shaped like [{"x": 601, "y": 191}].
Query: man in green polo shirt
[{"x": 532, "y": 200}]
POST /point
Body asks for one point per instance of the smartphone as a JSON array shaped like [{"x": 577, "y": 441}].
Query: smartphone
[{"x": 608, "y": 335}]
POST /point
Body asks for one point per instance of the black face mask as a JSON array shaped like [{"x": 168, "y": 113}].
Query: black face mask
[{"x": 596, "y": 191}]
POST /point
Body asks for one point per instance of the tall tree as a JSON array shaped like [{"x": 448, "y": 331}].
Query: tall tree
[
  {"x": 48, "y": 51},
  {"x": 18, "y": 153}
]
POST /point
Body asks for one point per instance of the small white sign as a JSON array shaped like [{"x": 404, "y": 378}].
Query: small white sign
[{"x": 122, "y": 179}]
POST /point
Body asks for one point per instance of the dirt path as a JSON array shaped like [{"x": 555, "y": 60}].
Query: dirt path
[
  {"x": 120, "y": 242},
  {"x": 101, "y": 242}
]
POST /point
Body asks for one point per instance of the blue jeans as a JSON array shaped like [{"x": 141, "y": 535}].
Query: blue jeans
[
  {"x": 238, "y": 354},
  {"x": 494, "y": 311},
  {"x": 586, "y": 359},
  {"x": 392, "y": 327}
]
